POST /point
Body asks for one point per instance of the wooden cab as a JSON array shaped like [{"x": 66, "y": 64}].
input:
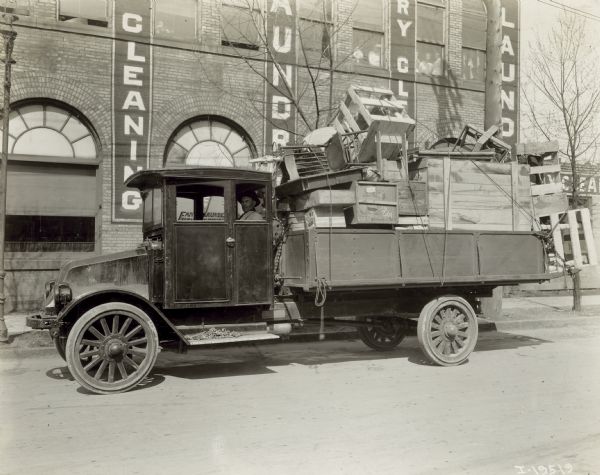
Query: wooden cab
[{"x": 201, "y": 254}]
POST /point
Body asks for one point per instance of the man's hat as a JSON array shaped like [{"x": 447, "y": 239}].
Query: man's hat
[{"x": 250, "y": 194}]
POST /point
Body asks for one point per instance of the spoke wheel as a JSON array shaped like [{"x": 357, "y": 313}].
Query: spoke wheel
[
  {"x": 383, "y": 335},
  {"x": 447, "y": 330},
  {"x": 111, "y": 348}
]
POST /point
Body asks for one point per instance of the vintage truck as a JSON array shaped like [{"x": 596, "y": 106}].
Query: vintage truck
[{"x": 204, "y": 278}]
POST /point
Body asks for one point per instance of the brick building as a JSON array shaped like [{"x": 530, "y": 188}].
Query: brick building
[{"x": 102, "y": 88}]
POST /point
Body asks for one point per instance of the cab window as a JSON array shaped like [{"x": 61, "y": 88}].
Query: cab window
[
  {"x": 251, "y": 202},
  {"x": 205, "y": 202},
  {"x": 152, "y": 207}
]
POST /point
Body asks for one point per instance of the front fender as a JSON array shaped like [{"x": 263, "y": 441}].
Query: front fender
[{"x": 76, "y": 308}]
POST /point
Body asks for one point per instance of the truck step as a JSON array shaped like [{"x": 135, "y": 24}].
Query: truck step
[{"x": 217, "y": 334}]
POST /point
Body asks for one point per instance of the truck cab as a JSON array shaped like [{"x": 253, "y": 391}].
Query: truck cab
[{"x": 200, "y": 253}]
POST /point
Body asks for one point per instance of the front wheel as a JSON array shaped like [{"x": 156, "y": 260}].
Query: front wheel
[
  {"x": 382, "y": 334},
  {"x": 112, "y": 347},
  {"x": 447, "y": 330}
]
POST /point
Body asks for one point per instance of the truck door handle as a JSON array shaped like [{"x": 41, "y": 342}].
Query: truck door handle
[{"x": 230, "y": 241}]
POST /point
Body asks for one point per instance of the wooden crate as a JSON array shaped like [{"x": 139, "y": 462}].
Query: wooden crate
[
  {"x": 412, "y": 198},
  {"x": 573, "y": 239},
  {"x": 323, "y": 198},
  {"x": 375, "y": 203},
  {"x": 470, "y": 194}
]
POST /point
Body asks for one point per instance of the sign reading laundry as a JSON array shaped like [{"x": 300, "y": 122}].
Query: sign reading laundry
[
  {"x": 280, "y": 125},
  {"x": 132, "y": 95}
]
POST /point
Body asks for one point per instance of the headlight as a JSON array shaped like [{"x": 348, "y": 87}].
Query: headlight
[
  {"x": 48, "y": 288},
  {"x": 62, "y": 294}
]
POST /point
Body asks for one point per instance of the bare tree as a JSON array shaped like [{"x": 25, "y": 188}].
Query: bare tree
[
  {"x": 313, "y": 98},
  {"x": 562, "y": 99}
]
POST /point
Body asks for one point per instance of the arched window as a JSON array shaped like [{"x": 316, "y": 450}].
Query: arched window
[
  {"x": 210, "y": 142},
  {"x": 51, "y": 185},
  {"x": 474, "y": 40}
]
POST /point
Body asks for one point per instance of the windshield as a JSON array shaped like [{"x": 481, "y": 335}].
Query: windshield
[{"x": 152, "y": 208}]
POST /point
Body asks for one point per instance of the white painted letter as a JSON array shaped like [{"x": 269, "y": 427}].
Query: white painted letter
[
  {"x": 507, "y": 24},
  {"x": 130, "y": 75},
  {"x": 131, "y": 56},
  {"x": 134, "y": 99},
  {"x": 287, "y": 75},
  {"x": 133, "y": 151},
  {"x": 280, "y": 137},
  {"x": 131, "y": 200},
  {"x": 403, "y": 26},
  {"x": 403, "y": 7},
  {"x": 137, "y": 27},
  {"x": 402, "y": 64},
  {"x": 508, "y": 127},
  {"x": 402, "y": 92},
  {"x": 510, "y": 77},
  {"x": 130, "y": 125},
  {"x": 507, "y": 46},
  {"x": 287, "y": 108},
  {"x": 285, "y": 4},
  {"x": 287, "y": 45},
  {"x": 508, "y": 100}
]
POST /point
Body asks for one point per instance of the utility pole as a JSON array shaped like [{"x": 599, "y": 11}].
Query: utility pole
[{"x": 8, "y": 36}]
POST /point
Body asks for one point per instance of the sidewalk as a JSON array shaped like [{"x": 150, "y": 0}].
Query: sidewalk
[{"x": 517, "y": 313}]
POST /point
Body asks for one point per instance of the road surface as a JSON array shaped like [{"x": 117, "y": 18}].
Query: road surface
[{"x": 525, "y": 402}]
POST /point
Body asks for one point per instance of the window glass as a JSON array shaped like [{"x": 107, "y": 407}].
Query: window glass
[
  {"x": 430, "y": 60},
  {"x": 49, "y": 233},
  {"x": 474, "y": 30},
  {"x": 209, "y": 143},
  {"x": 314, "y": 36},
  {"x": 368, "y": 15},
  {"x": 368, "y": 48},
  {"x": 473, "y": 67},
  {"x": 240, "y": 26},
  {"x": 200, "y": 203},
  {"x": 175, "y": 19},
  {"x": 41, "y": 141},
  {"x": 152, "y": 207},
  {"x": 319, "y": 10},
  {"x": 251, "y": 202},
  {"x": 90, "y": 12},
  {"x": 430, "y": 24}
]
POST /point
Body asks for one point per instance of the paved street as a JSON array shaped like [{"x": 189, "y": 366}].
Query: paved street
[{"x": 526, "y": 399}]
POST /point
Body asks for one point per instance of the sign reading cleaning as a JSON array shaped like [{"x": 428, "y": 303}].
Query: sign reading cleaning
[{"x": 132, "y": 95}]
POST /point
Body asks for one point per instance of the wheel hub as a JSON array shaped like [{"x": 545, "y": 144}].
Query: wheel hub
[
  {"x": 114, "y": 348},
  {"x": 450, "y": 330}
]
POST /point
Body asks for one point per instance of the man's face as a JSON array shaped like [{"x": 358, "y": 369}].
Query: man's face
[{"x": 247, "y": 204}]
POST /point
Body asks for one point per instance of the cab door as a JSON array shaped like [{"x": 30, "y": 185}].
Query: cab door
[
  {"x": 199, "y": 260},
  {"x": 253, "y": 275}
]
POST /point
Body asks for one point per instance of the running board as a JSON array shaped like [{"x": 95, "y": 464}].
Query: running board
[{"x": 200, "y": 335}]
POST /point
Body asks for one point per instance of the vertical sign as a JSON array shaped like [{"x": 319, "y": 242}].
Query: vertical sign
[
  {"x": 131, "y": 96},
  {"x": 510, "y": 71},
  {"x": 402, "y": 50},
  {"x": 280, "y": 114}
]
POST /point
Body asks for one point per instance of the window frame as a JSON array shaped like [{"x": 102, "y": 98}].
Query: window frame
[
  {"x": 86, "y": 21},
  {"x": 259, "y": 9},
  {"x": 472, "y": 47},
  {"x": 441, "y": 5},
  {"x": 174, "y": 38},
  {"x": 365, "y": 27}
]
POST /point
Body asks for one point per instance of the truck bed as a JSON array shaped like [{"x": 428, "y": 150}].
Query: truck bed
[{"x": 383, "y": 258}]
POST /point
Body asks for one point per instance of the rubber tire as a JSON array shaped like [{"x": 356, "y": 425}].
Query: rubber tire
[
  {"x": 426, "y": 317},
  {"x": 367, "y": 339},
  {"x": 80, "y": 327},
  {"x": 60, "y": 348}
]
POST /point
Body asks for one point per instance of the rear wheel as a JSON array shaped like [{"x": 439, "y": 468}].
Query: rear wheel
[
  {"x": 447, "y": 330},
  {"x": 382, "y": 334},
  {"x": 112, "y": 347}
]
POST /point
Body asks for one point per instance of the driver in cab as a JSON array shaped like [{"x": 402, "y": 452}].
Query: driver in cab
[{"x": 249, "y": 201}]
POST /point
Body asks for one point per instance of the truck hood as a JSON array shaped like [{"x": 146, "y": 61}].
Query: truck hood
[{"x": 127, "y": 270}]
